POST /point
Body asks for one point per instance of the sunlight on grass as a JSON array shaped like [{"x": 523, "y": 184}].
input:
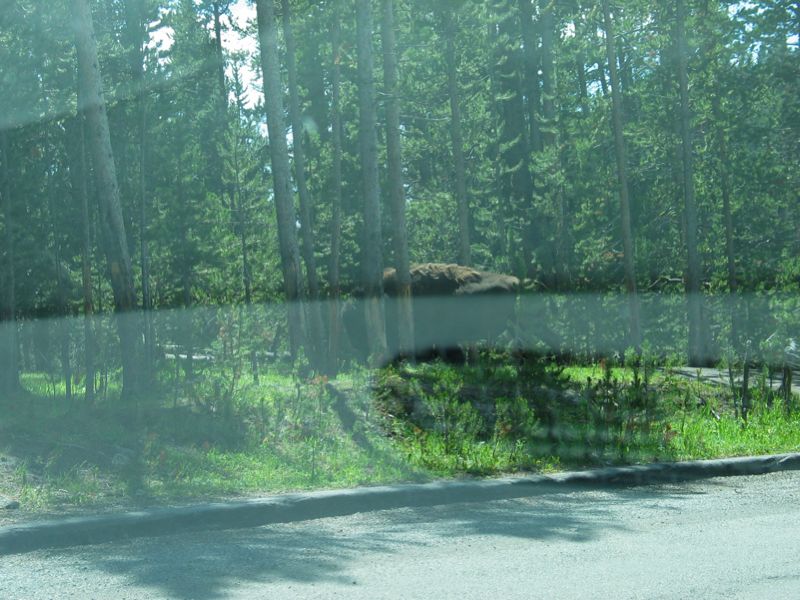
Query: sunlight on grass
[
  {"x": 579, "y": 373},
  {"x": 225, "y": 435}
]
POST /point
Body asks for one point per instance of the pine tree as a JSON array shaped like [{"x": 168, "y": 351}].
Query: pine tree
[
  {"x": 372, "y": 250},
  {"x": 279, "y": 152},
  {"x": 622, "y": 176},
  {"x": 116, "y": 241}
]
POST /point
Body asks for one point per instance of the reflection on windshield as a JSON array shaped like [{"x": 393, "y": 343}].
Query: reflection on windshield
[{"x": 249, "y": 247}]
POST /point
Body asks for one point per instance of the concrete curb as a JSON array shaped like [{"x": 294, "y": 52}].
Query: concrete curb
[{"x": 287, "y": 508}]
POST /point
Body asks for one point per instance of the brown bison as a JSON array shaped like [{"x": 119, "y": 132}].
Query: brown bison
[{"x": 453, "y": 306}]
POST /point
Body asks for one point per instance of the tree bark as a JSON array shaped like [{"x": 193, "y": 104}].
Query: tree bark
[
  {"x": 531, "y": 73},
  {"x": 239, "y": 208},
  {"x": 336, "y": 191},
  {"x": 697, "y": 345},
  {"x": 457, "y": 141},
  {"x": 583, "y": 93},
  {"x": 582, "y": 30},
  {"x": 550, "y": 139},
  {"x": 188, "y": 340},
  {"x": 516, "y": 184},
  {"x": 60, "y": 324},
  {"x": 601, "y": 77},
  {"x": 240, "y": 213},
  {"x": 9, "y": 355},
  {"x": 549, "y": 132},
  {"x": 279, "y": 153},
  {"x": 622, "y": 175},
  {"x": 372, "y": 252},
  {"x": 144, "y": 251},
  {"x": 186, "y": 269},
  {"x": 220, "y": 56},
  {"x": 316, "y": 327},
  {"x": 116, "y": 248},
  {"x": 397, "y": 196},
  {"x": 625, "y": 74},
  {"x": 78, "y": 177},
  {"x": 137, "y": 36},
  {"x": 730, "y": 246}
]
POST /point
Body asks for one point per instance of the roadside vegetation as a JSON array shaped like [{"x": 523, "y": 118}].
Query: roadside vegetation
[
  {"x": 501, "y": 413},
  {"x": 279, "y": 434},
  {"x": 500, "y": 417}
]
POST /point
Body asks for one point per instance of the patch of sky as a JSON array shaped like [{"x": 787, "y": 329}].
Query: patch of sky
[{"x": 237, "y": 39}]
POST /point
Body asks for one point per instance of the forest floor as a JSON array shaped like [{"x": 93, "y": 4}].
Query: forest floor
[{"x": 230, "y": 438}]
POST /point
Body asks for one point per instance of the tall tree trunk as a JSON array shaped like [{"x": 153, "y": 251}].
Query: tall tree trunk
[
  {"x": 372, "y": 252},
  {"x": 725, "y": 188},
  {"x": 137, "y": 37},
  {"x": 516, "y": 185},
  {"x": 425, "y": 166},
  {"x": 144, "y": 251},
  {"x": 217, "y": 166},
  {"x": 61, "y": 325},
  {"x": 316, "y": 327},
  {"x": 601, "y": 76},
  {"x": 63, "y": 311},
  {"x": 697, "y": 342},
  {"x": 279, "y": 153},
  {"x": 549, "y": 132},
  {"x": 119, "y": 261},
  {"x": 457, "y": 141},
  {"x": 531, "y": 73},
  {"x": 188, "y": 341},
  {"x": 622, "y": 175},
  {"x": 239, "y": 206},
  {"x": 397, "y": 196},
  {"x": 583, "y": 93},
  {"x": 550, "y": 139},
  {"x": 531, "y": 35},
  {"x": 625, "y": 74},
  {"x": 78, "y": 176},
  {"x": 9, "y": 365},
  {"x": 501, "y": 226},
  {"x": 314, "y": 78},
  {"x": 186, "y": 268},
  {"x": 219, "y": 55},
  {"x": 241, "y": 214},
  {"x": 247, "y": 274},
  {"x": 336, "y": 190},
  {"x": 582, "y": 33}
]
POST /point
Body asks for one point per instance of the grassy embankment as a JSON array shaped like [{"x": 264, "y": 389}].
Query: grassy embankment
[{"x": 228, "y": 437}]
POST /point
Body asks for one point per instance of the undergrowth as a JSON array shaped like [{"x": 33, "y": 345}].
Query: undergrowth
[
  {"x": 528, "y": 414},
  {"x": 224, "y": 434}
]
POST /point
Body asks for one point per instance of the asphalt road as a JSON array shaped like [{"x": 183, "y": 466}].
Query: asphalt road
[
  {"x": 727, "y": 538},
  {"x": 721, "y": 377}
]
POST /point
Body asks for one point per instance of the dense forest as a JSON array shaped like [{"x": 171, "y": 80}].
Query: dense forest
[{"x": 635, "y": 164}]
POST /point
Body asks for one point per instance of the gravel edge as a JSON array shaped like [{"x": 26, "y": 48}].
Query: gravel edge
[{"x": 78, "y": 531}]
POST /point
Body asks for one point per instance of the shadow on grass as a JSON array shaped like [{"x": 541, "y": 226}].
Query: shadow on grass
[{"x": 61, "y": 458}]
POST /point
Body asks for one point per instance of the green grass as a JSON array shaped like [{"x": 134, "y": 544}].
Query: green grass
[
  {"x": 226, "y": 436},
  {"x": 621, "y": 417},
  {"x": 278, "y": 435},
  {"x": 580, "y": 373},
  {"x": 768, "y": 431}
]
